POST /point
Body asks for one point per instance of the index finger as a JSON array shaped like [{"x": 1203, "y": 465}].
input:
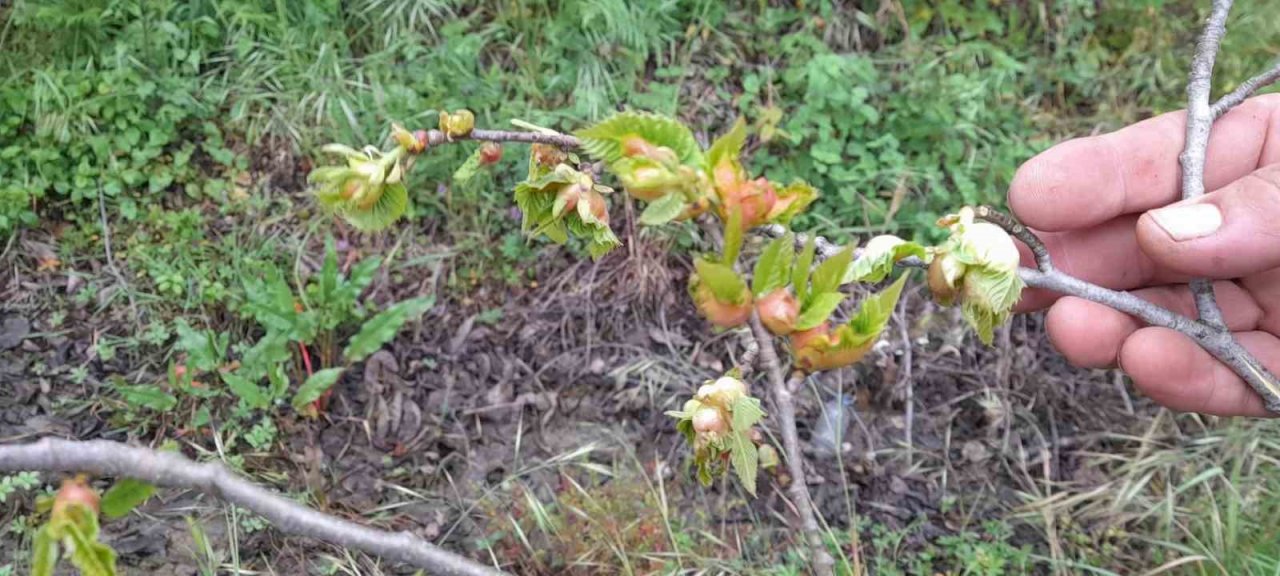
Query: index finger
[{"x": 1087, "y": 181}]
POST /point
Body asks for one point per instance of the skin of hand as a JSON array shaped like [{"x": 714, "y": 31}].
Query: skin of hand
[{"x": 1109, "y": 209}]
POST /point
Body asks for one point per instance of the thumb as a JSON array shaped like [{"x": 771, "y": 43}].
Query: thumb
[{"x": 1231, "y": 232}]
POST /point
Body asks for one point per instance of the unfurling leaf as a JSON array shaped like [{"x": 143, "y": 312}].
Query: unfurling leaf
[
  {"x": 821, "y": 348},
  {"x": 745, "y": 459},
  {"x": 724, "y": 283},
  {"x": 818, "y": 310},
  {"x": 314, "y": 387},
  {"x": 746, "y": 413},
  {"x": 792, "y": 199},
  {"x": 564, "y": 201},
  {"x": 605, "y": 140},
  {"x": 828, "y": 275},
  {"x": 383, "y": 326},
  {"x": 44, "y": 552},
  {"x": 773, "y": 268},
  {"x": 125, "y": 495},
  {"x": 728, "y": 147},
  {"x": 663, "y": 210},
  {"x": 878, "y": 257},
  {"x": 800, "y": 272},
  {"x": 368, "y": 192},
  {"x": 979, "y": 264}
]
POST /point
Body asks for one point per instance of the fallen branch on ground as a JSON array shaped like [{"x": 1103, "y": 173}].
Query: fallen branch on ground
[{"x": 169, "y": 470}]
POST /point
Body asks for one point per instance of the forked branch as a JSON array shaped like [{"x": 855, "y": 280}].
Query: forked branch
[{"x": 170, "y": 470}]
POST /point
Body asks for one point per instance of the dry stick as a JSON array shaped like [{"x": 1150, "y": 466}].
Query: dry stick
[
  {"x": 1244, "y": 90},
  {"x": 1195, "y": 148},
  {"x": 167, "y": 469},
  {"x": 785, "y": 409},
  {"x": 436, "y": 137}
]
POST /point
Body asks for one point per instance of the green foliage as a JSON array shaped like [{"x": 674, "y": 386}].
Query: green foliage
[
  {"x": 383, "y": 326},
  {"x": 878, "y": 258},
  {"x": 125, "y": 495},
  {"x": 604, "y": 141},
  {"x": 773, "y": 267},
  {"x": 20, "y": 481},
  {"x": 725, "y": 284},
  {"x": 315, "y": 386}
]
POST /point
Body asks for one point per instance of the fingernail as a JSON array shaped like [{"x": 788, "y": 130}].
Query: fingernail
[{"x": 1188, "y": 221}]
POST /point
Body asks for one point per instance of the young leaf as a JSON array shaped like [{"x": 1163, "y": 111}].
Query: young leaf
[
  {"x": 828, "y": 274},
  {"x": 818, "y": 309},
  {"x": 389, "y": 207},
  {"x": 989, "y": 297},
  {"x": 91, "y": 557},
  {"x": 746, "y": 413},
  {"x": 315, "y": 387},
  {"x": 745, "y": 459},
  {"x": 724, "y": 283},
  {"x": 773, "y": 268},
  {"x": 125, "y": 495},
  {"x": 146, "y": 396},
  {"x": 44, "y": 552},
  {"x": 663, "y": 210},
  {"x": 800, "y": 273},
  {"x": 728, "y": 146},
  {"x": 205, "y": 348},
  {"x": 383, "y": 327},
  {"x": 604, "y": 140},
  {"x": 876, "y": 265},
  {"x": 732, "y": 237},
  {"x": 248, "y": 391},
  {"x": 873, "y": 315}
]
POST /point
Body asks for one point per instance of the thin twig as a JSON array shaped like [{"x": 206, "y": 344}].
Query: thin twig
[
  {"x": 170, "y": 470},
  {"x": 1017, "y": 230},
  {"x": 1245, "y": 90},
  {"x": 784, "y": 408},
  {"x": 436, "y": 137},
  {"x": 909, "y": 410},
  {"x": 1195, "y": 147}
]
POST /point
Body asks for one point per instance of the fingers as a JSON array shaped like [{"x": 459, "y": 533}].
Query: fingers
[
  {"x": 1231, "y": 232},
  {"x": 1091, "y": 335},
  {"x": 1106, "y": 255},
  {"x": 1087, "y": 181},
  {"x": 1178, "y": 374}
]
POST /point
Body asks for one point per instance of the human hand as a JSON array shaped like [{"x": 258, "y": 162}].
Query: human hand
[{"x": 1108, "y": 208}]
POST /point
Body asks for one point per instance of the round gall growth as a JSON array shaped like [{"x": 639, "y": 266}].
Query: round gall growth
[{"x": 708, "y": 420}]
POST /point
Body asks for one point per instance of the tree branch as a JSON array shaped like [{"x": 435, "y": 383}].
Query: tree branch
[
  {"x": 1245, "y": 90},
  {"x": 785, "y": 410},
  {"x": 1017, "y": 230},
  {"x": 106, "y": 458},
  {"x": 1195, "y": 147},
  {"x": 436, "y": 137}
]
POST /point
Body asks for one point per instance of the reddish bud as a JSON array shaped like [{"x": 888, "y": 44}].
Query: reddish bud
[
  {"x": 490, "y": 153},
  {"x": 778, "y": 311},
  {"x": 722, "y": 314},
  {"x": 422, "y": 139},
  {"x": 74, "y": 491},
  {"x": 547, "y": 155}
]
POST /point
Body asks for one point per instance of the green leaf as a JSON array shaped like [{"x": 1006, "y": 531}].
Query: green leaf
[
  {"x": 44, "y": 552},
  {"x": 328, "y": 284},
  {"x": 146, "y": 396},
  {"x": 874, "y": 267},
  {"x": 315, "y": 387},
  {"x": 246, "y": 390},
  {"x": 663, "y": 210},
  {"x": 989, "y": 298},
  {"x": 728, "y": 145},
  {"x": 746, "y": 413},
  {"x": 125, "y": 495},
  {"x": 603, "y": 141},
  {"x": 724, "y": 283},
  {"x": 773, "y": 268},
  {"x": 390, "y": 207},
  {"x": 745, "y": 459},
  {"x": 383, "y": 326},
  {"x": 468, "y": 169},
  {"x": 873, "y": 315},
  {"x": 205, "y": 348},
  {"x": 800, "y": 273},
  {"x": 86, "y": 553},
  {"x": 828, "y": 274},
  {"x": 818, "y": 309},
  {"x": 732, "y": 237}
]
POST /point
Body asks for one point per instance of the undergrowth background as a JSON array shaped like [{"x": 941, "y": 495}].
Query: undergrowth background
[{"x": 190, "y": 126}]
